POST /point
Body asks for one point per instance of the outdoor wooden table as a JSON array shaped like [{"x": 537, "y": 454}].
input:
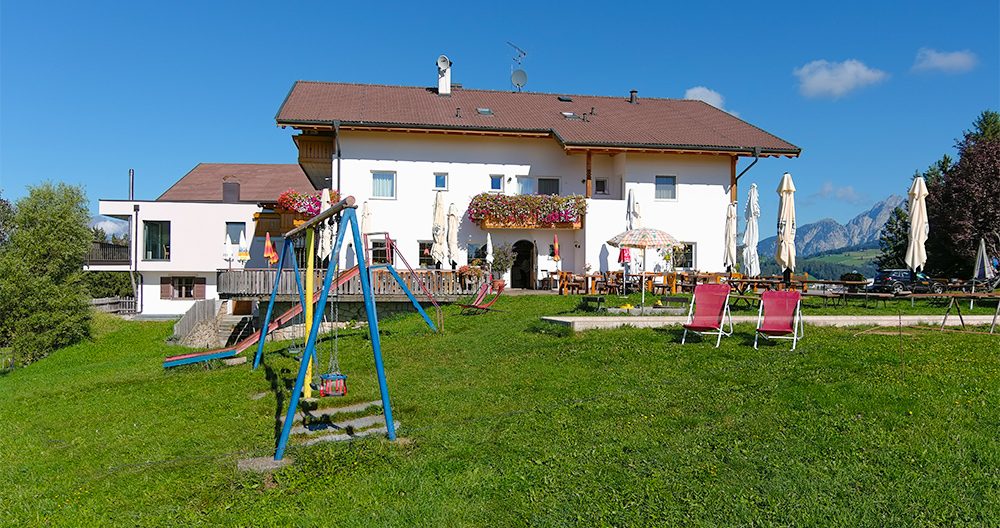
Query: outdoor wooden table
[
  {"x": 592, "y": 279},
  {"x": 866, "y": 295}
]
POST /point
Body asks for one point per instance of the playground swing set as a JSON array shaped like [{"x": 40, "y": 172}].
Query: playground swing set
[{"x": 332, "y": 382}]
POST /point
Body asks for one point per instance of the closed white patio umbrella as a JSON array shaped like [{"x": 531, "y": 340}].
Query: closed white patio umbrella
[
  {"x": 729, "y": 253},
  {"x": 324, "y": 248},
  {"x": 751, "y": 261},
  {"x": 453, "y": 233},
  {"x": 916, "y": 254},
  {"x": 438, "y": 229},
  {"x": 785, "y": 254}
]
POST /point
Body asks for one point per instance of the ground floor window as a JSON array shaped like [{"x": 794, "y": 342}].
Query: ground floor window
[
  {"x": 380, "y": 254},
  {"x": 684, "y": 255},
  {"x": 425, "y": 260},
  {"x": 476, "y": 253},
  {"x": 182, "y": 288}
]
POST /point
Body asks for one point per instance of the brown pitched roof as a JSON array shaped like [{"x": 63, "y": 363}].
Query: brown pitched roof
[
  {"x": 670, "y": 124},
  {"x": 258, "y": 182}
]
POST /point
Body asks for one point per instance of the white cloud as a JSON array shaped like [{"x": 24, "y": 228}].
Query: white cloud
[
  {"x": 841, "y": 194},
  {"x": 945, "y": 61},
  {"x": 833, "y": 79},
  {"x": 711, "y": 97}
]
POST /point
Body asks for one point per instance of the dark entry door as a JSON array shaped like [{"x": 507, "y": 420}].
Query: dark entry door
[{"x": 522, "y": 273}]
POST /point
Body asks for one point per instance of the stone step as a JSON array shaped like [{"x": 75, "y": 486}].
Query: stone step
[
  {"x": 357, "y": 425},
  {"x": 345, "y": 437},
  {"x": 318, "y": 414}
]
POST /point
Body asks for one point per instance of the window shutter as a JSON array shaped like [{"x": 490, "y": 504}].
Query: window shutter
[
  {"x": 199, "y": 287},
  {"x": 166, "y": 290}
]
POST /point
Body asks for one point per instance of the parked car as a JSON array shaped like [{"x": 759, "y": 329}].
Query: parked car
[{"x": 898, "y": 280}]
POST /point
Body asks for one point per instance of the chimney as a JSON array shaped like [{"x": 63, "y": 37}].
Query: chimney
[
  {"x": 633, "y": 99},
  {"x": 444, "y": 76},
  {"x": 230, "y": 192}
]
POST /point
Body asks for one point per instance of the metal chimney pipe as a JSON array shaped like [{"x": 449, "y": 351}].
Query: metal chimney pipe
[
  {"x": 131, "y": 184},
  {"x": 632, "y": 99}
]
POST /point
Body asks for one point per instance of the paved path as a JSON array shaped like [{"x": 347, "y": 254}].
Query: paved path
[{"x": 658, "y": 321}]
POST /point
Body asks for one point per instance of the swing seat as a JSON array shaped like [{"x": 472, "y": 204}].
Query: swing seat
[{"x": 333, "y": 385}]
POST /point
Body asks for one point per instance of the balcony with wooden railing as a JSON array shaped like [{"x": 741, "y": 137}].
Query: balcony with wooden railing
[
  {"x": 103, "y": 253},
  {"x": 255, "y": 284}
]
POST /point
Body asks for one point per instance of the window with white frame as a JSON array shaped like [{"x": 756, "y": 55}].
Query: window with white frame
[
  {"x": 475, "y": 253},
  {"x": 666, "y": 188},
  {"x": 380, "y": 254},
  {"x": 601, "y": 186},
  {"x": 440, "y": 181},
  {"x": 525, "y": 185},
  {"x": 424, "y": 258},
  {"x": 496, "y": 182},
  {"x": 684, "y": 255},
  {"x": 383, "y": 184},
  {"x": 233, "y": 230},
  {"x": 548, "y": 186}
]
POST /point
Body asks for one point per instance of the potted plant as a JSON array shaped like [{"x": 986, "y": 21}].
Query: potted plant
[{"x": 503, "y": 259}]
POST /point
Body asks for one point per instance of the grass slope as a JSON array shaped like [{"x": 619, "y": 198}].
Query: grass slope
[{"x": 512, "y": 422}]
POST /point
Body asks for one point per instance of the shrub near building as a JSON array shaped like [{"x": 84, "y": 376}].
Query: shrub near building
[{"x": 43, "y": 300}]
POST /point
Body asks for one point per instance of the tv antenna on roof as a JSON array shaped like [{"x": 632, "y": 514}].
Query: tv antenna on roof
[{"x": 518, "y": 77}]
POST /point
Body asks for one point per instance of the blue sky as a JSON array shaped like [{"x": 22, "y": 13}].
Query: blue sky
[{"x": 871, "y": 91}]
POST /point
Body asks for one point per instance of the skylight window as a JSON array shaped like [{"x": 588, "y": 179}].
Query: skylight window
[
  {"x": 484, "y": 111},
  {"x": 570, "y": 115},
  {"x": 565, "y": 99}
]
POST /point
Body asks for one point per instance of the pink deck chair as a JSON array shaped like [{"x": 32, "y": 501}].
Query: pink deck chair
[
  {"x": 780, "y": 316},
  {"x": 709, "y": 307},
  {"x": 478, "y": 306}
]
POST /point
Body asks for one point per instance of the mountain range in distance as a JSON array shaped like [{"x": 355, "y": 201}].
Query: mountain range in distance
[{"x": 828, "y": 234}]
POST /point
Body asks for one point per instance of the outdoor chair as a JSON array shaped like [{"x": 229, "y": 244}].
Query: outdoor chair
[
  {"x": 780, "y": 316},
  {"x": 479, "y": 307},
  {"x": 610, "y": 283},
  {"x": 709, "y": 308}
]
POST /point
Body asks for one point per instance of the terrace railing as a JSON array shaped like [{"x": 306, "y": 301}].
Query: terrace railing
[
  {"x": 105, "y": 253},
  {"x": 443, "y": 284}
]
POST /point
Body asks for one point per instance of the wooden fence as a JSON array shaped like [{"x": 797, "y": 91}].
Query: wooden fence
[
  {"x": 200, "y": 311},
  {"x": 445, "y": 284},
  {"x": 114, "y": 304}
]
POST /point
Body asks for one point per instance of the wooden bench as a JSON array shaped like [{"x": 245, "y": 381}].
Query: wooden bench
[
  {"x": 587, "y": 299},
  {"x": 681, "y": 301}
]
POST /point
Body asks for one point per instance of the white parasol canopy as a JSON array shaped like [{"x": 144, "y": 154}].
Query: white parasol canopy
[
  {"x": 438, "y": 229},
  {"x": 324, "y": 247},
  {"x": 916, "y": 255},
  {"x": 244, "y": 251},
  {"x": 366, "y": 219},
  {"x": 984, "y": 269},
  {"x": 453, "y": 233},
  {"x": 227, "y": 251},
  {"x": 489, "y": 251},
  {"x": 785, "y": 254},
  {"x": 729, "y": 254},
  {"x": 643, "y": 238},
  {"x": 752, "y": 235}
]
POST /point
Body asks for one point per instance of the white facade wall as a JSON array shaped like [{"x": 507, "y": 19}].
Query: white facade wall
[
  {"x": 696, "y": 216},
  {"x": 197, "y": 234}
]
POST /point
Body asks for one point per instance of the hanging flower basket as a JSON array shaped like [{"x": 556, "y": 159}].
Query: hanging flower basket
[{"x": 535, "y": 211}]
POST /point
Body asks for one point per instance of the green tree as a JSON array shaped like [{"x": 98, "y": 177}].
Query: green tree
[
  {"x": 964, "y": 205},
  {"x": 43, "y": 300},
  {"x": 893, "y": 240},
  {"x": 99, "y": 234},
  {"x": 6, "y": 221}
]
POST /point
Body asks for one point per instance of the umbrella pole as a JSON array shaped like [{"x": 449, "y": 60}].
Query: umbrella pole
[{"x": 642, "y": 287}]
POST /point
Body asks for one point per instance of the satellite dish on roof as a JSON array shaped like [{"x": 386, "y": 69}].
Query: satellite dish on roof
[
  {"x": 443, "y": 62},
  {"x": 518, "y": 78}
]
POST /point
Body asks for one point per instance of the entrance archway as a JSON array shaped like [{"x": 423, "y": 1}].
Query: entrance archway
[{"x": 522, "y": 273}]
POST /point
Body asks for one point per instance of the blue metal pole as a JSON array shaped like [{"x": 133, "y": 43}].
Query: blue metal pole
[
  {"x": 270, "y": 306},
  {"x": 366, "y": 290},
  {"x": 399, "y": 280}
]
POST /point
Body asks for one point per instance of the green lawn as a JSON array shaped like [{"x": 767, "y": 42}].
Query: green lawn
[{"x": 508, "y": 421}]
